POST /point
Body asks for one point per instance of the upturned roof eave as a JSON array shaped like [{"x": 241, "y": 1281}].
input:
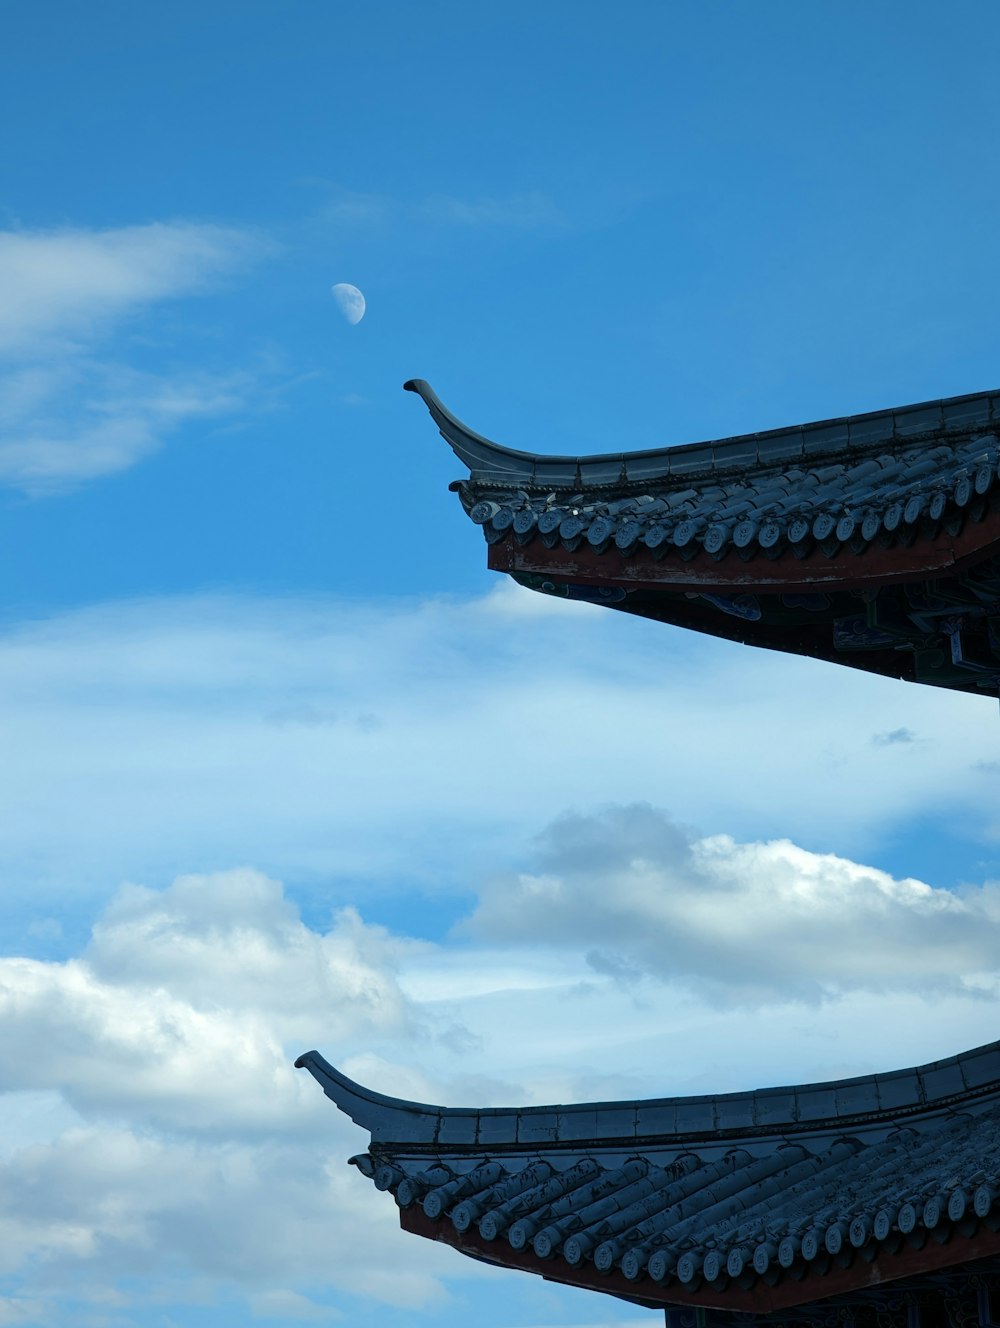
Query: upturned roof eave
[
  {"x": 491, "y": 463},
  {"x": 867, "y": 1101},
  {"x": 781, "y": 1219}
]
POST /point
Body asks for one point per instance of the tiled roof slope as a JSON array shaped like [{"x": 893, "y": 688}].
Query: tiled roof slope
[
  {"x": 770, "y": 1199},
  {"x": 884, "y": 478},
  {"x": 872, "y": 541}
]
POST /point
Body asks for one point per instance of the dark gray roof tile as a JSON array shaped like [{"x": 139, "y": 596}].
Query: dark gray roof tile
[
  {"x": 943, "y": 1080},
  {"x": 601, "y": 473},
  {"x": 816, "y": 1102},
  {"x": 864, "y": 430},
  {"x": 642, "y": 469},
  {"x": 818, "y": 439},
  {"x": 695, "y": 1115},
  {"x": 538, "y": 1128},
  {"x": 656, "y": 1118},
  {"x": 457, "y": 1130},
  {"x": 691, "y": 461},
  {"x": 782, "y": 446},
  {"x": 982, "y": 1066},
  {"x": 775, "y": 1106},
  {"x": 856, "y": 1097},
  {"x": 577, "y": 1124},
  {"x": 560, "y": 474},
  {"x": 902, "y": 1089},
  {"x": 918, "y": 420},
  {"x": 929, "y": 458},
  {"x": 735, "y": 1111},
  {"x": 966, "y": 412},
  {"x": 739, "y": 452},
  {"x": 616, "y": 1122}
]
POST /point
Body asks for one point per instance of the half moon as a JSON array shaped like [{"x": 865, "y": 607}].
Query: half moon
[{"x": 350, "y": 301}]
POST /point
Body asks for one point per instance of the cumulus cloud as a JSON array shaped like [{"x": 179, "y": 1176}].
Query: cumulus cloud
[
  {"x": 186, "y": 1144},
  {"x": 761, "y": 922},
  {"x": 75, "y": 406},
  {"x": 184, "y": 1002},
  {"x": 153, "y": 1128},
  {"x": 109, "y": 1205},
  {"x": 157, "y": 1137}
]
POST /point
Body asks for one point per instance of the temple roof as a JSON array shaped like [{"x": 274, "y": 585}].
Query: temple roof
[
  {"x": 872, "y": 540},
  {"x": 743, "y": 1201},
  {"x": 849, "y": 440}
]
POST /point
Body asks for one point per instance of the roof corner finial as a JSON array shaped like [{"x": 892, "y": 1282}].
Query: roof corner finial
[{"x": 477, "y": 452}]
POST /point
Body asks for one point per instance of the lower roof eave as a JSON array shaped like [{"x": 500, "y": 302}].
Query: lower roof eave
[
  {"x": 914, "y": 1259},
  {"x": 897, "y": 565},
  {"x": 802, "y": 1193}
]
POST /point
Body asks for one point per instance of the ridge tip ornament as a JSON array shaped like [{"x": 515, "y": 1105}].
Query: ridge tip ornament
[{"x": 350, "y": 301}]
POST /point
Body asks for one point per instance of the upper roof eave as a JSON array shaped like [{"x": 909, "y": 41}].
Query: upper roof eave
[
  {"x": 902, "y": 424},
  {"x": 804, "y": 1107}
]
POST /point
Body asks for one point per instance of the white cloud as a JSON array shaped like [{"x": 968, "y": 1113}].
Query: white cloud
[
  {"x": 72, "y": 407},
  {"x": 326, "y": 739},
  {"x": 284, "y": 1304},
  {"x": 550, "y": 1028},
  {"x": 747, "y": 923},
  {"x": 108, "y": 1204},
  {"x": 183, "y": 1004},
  {"x": 95, "y": 420},
  {"x": 185, "y": 1139},
  {"x": 175, "y": 1148},
  {"x": 154, "y": 1127},
  {"x": 14, "y": 1310},
  {"x": 71, "y": 283}
]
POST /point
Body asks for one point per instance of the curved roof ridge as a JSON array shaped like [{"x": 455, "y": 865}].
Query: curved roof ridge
[
  {"x": 934, "y": 1086},
  {"x": 851, "y": 433},
  {"x": 471, "y": 447}
]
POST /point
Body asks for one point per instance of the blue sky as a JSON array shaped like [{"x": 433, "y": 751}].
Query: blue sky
[{"x": 285, "y": 766}]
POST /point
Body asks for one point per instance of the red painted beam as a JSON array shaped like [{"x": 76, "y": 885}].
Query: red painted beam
[
  {"x": 943, "y": 556},
  {"x": 907, "y": 1262}
]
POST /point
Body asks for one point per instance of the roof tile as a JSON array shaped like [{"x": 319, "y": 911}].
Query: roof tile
[
  {"x": 816, "y": 1102},
  {"x": 863, "y": 430},
  {"x": 919, "y": 420},
  {"x": 982, "y": 1066},
  {"x": 967, "y": 412},
  {"x": 458, "y": 1128},
  {"x": 822, "y": 438},
  {"x": 901, "y": 1089},
  {"x": 577, "y": 1124},
  {"x": 944, "y": 1079}
]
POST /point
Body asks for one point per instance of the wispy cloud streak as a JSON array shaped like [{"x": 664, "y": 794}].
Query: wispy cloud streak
[
  {"x": 74, "y": 407},
  {"x": 325, "y": 737}
]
